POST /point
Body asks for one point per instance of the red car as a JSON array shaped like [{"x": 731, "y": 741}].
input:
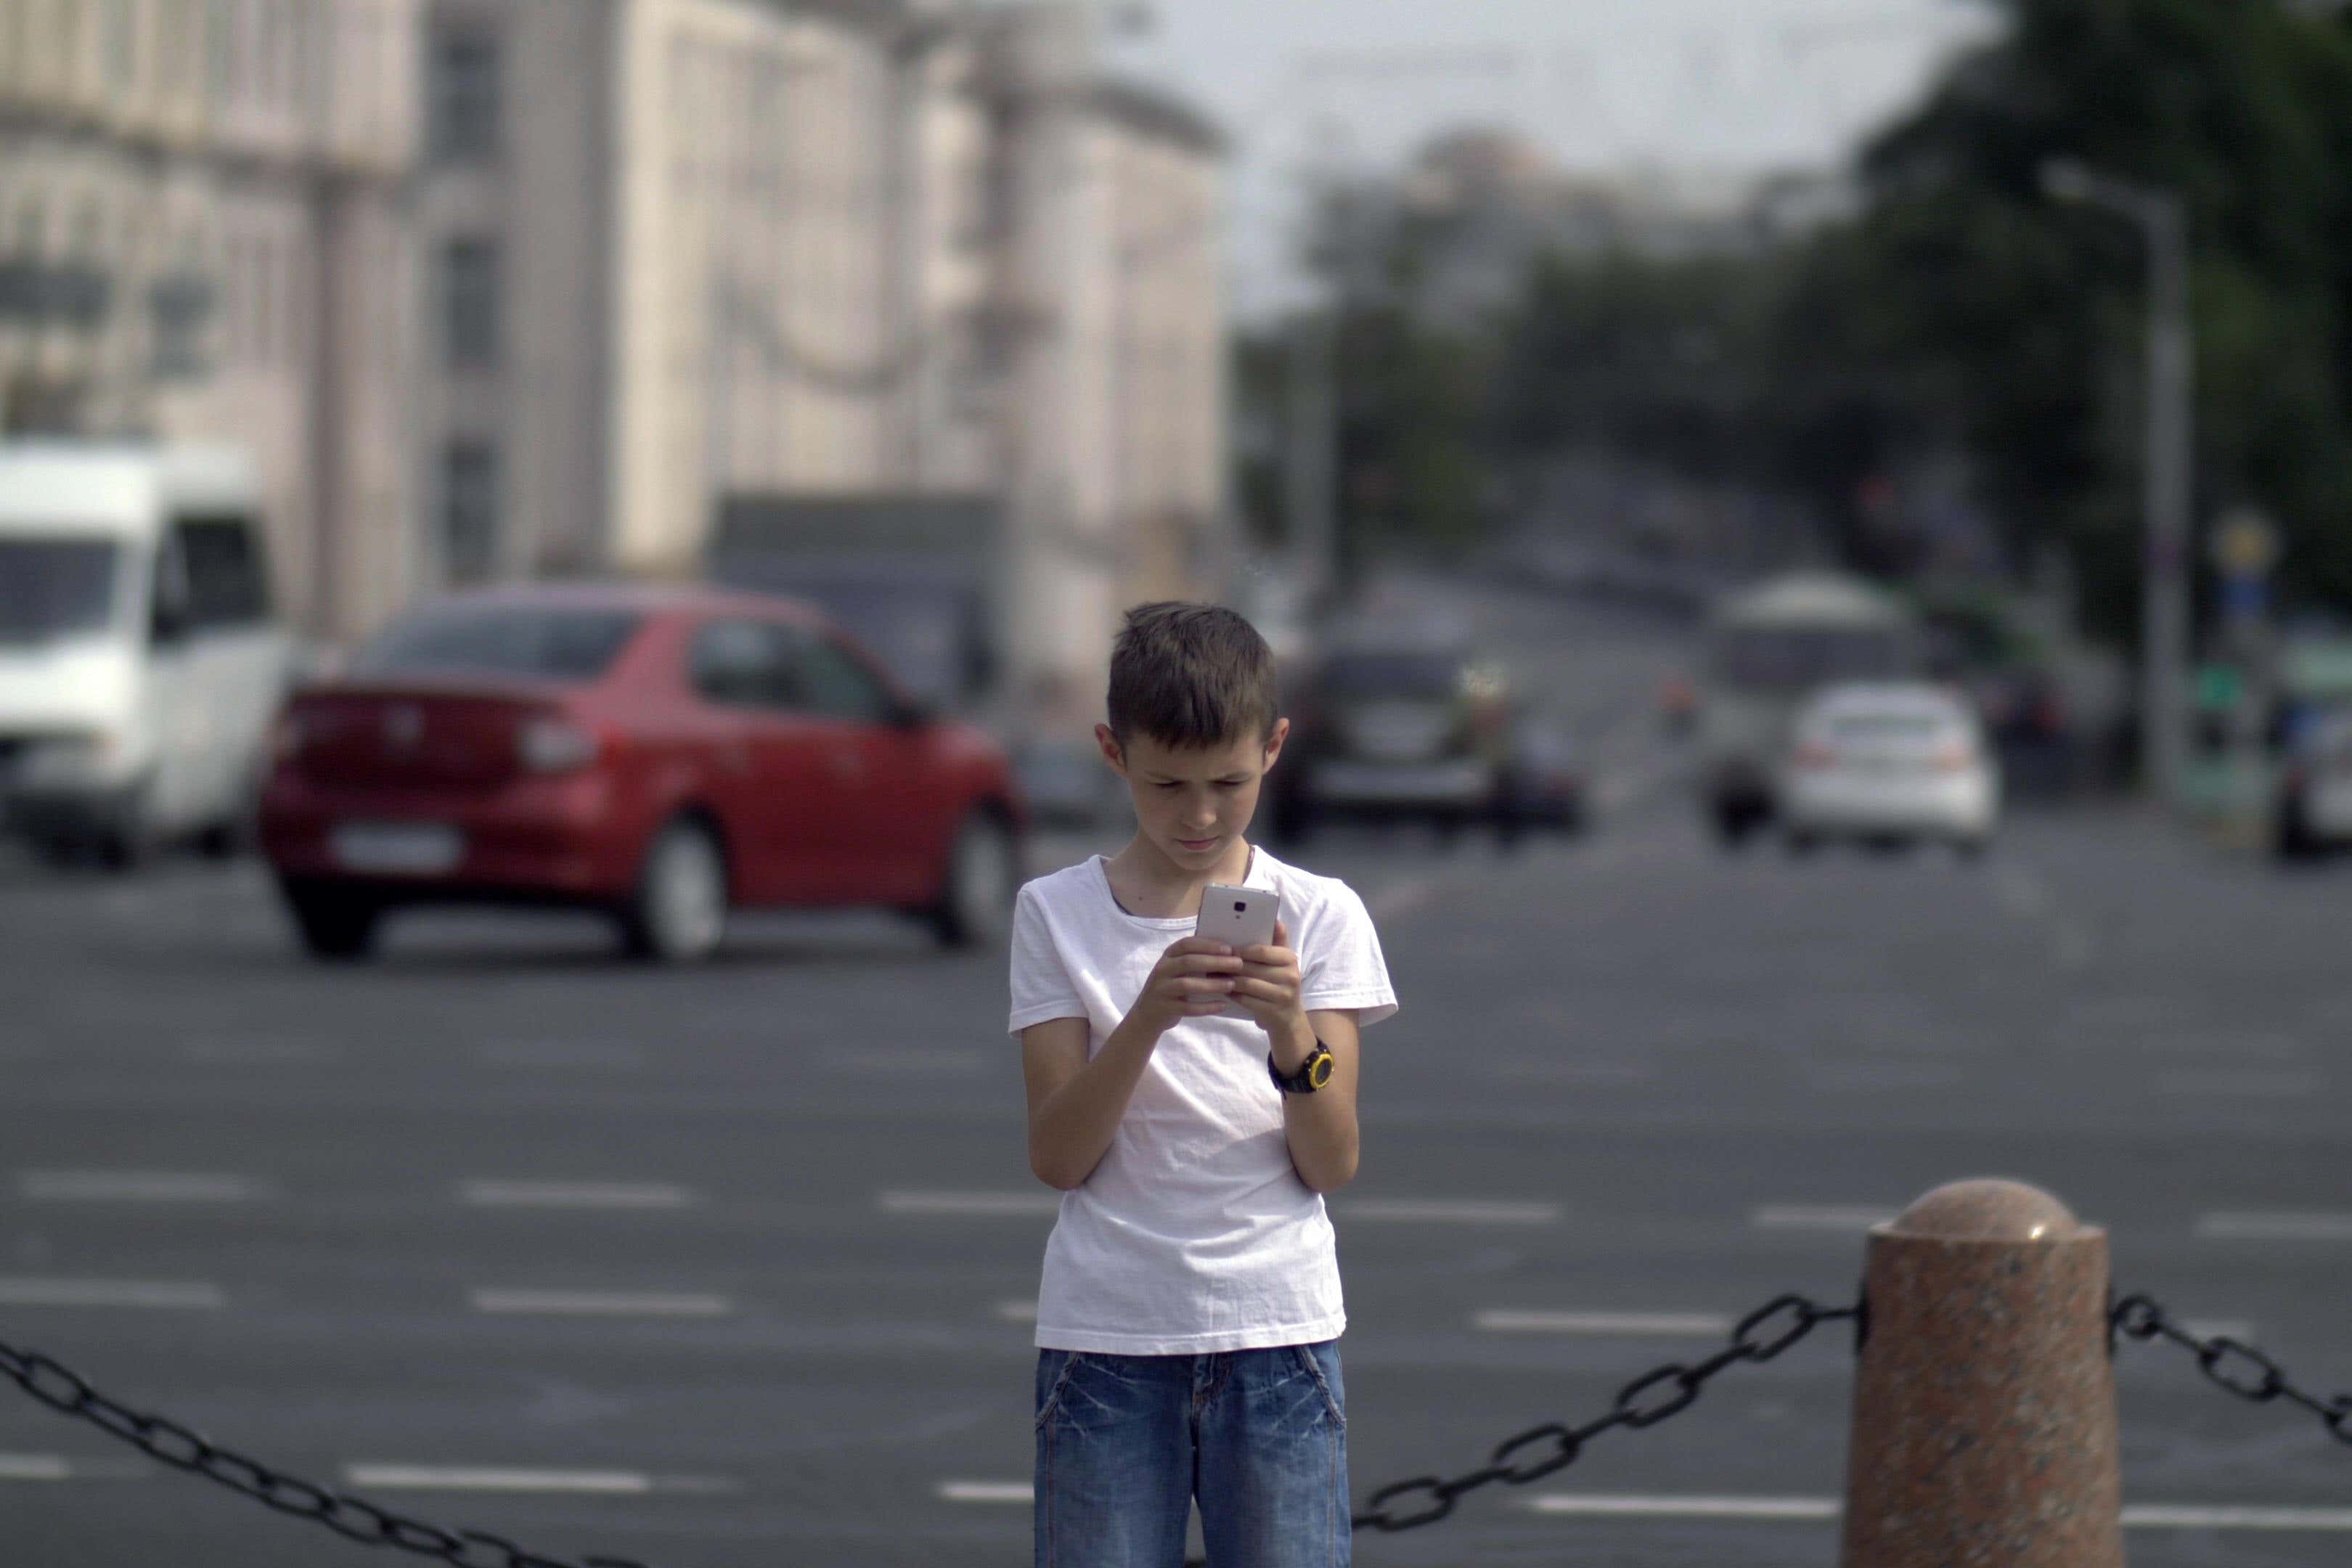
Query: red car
[{"x": 663, "y": 755}]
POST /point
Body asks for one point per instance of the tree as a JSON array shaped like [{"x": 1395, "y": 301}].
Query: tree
[{"x": 2020, "y": 321}]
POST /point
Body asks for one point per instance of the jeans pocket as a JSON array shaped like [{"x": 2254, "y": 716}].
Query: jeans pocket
[
  {"x": 1312, "y": 1365},
  {"x": 1053, "y": 1384}
]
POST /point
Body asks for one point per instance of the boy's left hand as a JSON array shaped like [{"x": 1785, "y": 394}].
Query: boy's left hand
[{"x": 1269, "y": 982}]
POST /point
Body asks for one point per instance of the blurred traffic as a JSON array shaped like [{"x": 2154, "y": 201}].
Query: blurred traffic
[{"x": 556, "y": 567}]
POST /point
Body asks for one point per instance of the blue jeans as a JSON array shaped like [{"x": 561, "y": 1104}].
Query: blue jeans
[{"x": 1125, "y": 1443}]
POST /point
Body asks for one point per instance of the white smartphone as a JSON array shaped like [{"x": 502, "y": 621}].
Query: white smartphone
[{"x": 1240, "y": 918}]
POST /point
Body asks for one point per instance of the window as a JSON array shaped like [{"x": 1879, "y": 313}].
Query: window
[
  {"x": 181, "y": 304},
  {"x": 556, "y": 643},
  {"x": 225, "y": 572},
  {"x": 743, "y": 663},
  {"x": 839, "y": 686},
  {"x": 470, "y": 512},
  {"x": 462, "y": 102},
  {"x": 470, "y": 304},
  {"x": 53, "y": 589}
]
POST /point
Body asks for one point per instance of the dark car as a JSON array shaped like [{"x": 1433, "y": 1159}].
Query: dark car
[
  {"x": 661, "y": 754},
  {"x": 1419, "y": 728}
]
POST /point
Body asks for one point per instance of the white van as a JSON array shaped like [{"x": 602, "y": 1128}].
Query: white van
[{"x": 141, "y": 663}]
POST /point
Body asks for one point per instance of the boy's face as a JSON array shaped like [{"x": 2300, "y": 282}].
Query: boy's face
[{"x": 1192, "y": 804}]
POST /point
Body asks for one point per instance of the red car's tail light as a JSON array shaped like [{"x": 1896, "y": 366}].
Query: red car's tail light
[{"x": 548, "y": 745}]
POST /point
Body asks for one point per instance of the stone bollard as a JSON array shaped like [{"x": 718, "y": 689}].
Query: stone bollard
[{"x": 1984, "y": 1408}]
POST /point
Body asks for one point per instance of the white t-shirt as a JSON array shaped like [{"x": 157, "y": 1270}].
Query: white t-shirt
[{"x": 1195, "y": 1234}]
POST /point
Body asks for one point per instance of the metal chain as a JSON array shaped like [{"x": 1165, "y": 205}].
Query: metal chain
[
  {"x": 169, "y": 1443},
  {"x": 1763, "y": 1334},
  {"x": 2231, "y": 1365}
]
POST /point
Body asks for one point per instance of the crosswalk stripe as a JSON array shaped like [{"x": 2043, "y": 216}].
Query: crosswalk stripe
[{"x": 157, "y": 1295}]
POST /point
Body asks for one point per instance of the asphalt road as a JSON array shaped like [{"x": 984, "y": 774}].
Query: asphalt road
[{"x": 728, "y": 1267}]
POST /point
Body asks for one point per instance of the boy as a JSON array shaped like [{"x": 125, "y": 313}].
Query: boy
[{"x": 1188, "y": 1313}]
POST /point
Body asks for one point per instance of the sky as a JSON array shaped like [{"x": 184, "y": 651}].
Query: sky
[{"x": 1705, "y": 88}]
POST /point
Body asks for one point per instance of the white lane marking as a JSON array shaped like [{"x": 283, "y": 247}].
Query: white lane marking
[
  {"x": 1438, "y": 1211},
  {"x": 1434, "y": 1211},
  {"x": 607, "y": 1055},
  {"x": 1639, "y": 1506},
  {"x": 487, "y": 1479},
  {"x": 575, "y": 1195},
  {"x": 600, "y": 1303},
  {"x": 136, "y": 1187},
  {"x": 1400, "y": 898},
  {"x": 35, "y": 1468},
  {"x": 986, "y": 1491},
  {"x": 994, "y": 1205},
  {"x": 1663, "y": 1325},
  {"x": 1804, "y": 1510},
  {"x": 1017, "y": 1311},
  {"x": 1843, "y": 1219},
  {"x": 181, "y": 1296},
  {"x": 2275, "y": 1227},
  {"x": 2250, "y": 1083},
  {"x": 2192, "y": 1516}
]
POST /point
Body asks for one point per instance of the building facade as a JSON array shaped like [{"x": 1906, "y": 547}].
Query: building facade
[
  {"x": 680, "y": 250},
  {"x": 499, "y": 288},
  {"x": 205, "y": 235}
]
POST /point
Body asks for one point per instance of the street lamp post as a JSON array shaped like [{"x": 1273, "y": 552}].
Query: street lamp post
[{"x": 2164, "y": 579}]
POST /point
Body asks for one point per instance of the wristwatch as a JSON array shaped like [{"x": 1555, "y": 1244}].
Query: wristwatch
[{"x": 1312, "y": 1073}]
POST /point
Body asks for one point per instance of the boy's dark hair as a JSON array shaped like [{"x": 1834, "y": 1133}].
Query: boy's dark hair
[{"x": 1192, "y": 677}]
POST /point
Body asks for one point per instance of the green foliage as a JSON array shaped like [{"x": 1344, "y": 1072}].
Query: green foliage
[
  {"x": 2025, "y": 318},
  {"x": 1962, "y": 308}
]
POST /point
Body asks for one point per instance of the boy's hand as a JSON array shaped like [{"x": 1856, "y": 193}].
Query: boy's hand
[
  {"x": 1194, "y": 978},
  {"x": 1270, "y": 982}
]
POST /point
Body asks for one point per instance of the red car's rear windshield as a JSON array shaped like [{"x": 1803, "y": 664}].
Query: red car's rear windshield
[{"x": 541, "y": 642}]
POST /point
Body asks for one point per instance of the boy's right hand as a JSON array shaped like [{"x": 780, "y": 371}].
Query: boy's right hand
[{"x": 1193, "y": 979}]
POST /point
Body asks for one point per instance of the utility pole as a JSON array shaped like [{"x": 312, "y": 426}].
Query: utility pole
[
  {"x": 2164, "y": 573},
  {"x": 1311, "y": 455}
]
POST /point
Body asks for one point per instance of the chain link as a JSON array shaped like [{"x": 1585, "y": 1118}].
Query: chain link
[
  {"x": 1655, "y": 1396},
  {"x": 355, "y": 1519},
  {"x": 2231, "y": 1365}
]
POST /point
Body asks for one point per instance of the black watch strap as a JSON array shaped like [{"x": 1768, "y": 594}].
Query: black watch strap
[{"x": 1312, "y": 1073}]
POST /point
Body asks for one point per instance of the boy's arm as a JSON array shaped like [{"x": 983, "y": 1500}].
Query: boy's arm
[
  {"x": 1320, "y": 1128},
  {"x": 1075, "y": 1104}
]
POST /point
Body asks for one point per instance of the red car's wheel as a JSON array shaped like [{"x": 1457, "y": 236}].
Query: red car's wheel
[
  {"x": 975, "y": 907},
  {"x": 678, "y": 912}
]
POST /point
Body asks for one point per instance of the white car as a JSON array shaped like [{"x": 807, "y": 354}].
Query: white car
[
  {"x": 141, "y": 662},
  {"x": 2314, "y": 811},
  {"x": 1894, "y": 761}
]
